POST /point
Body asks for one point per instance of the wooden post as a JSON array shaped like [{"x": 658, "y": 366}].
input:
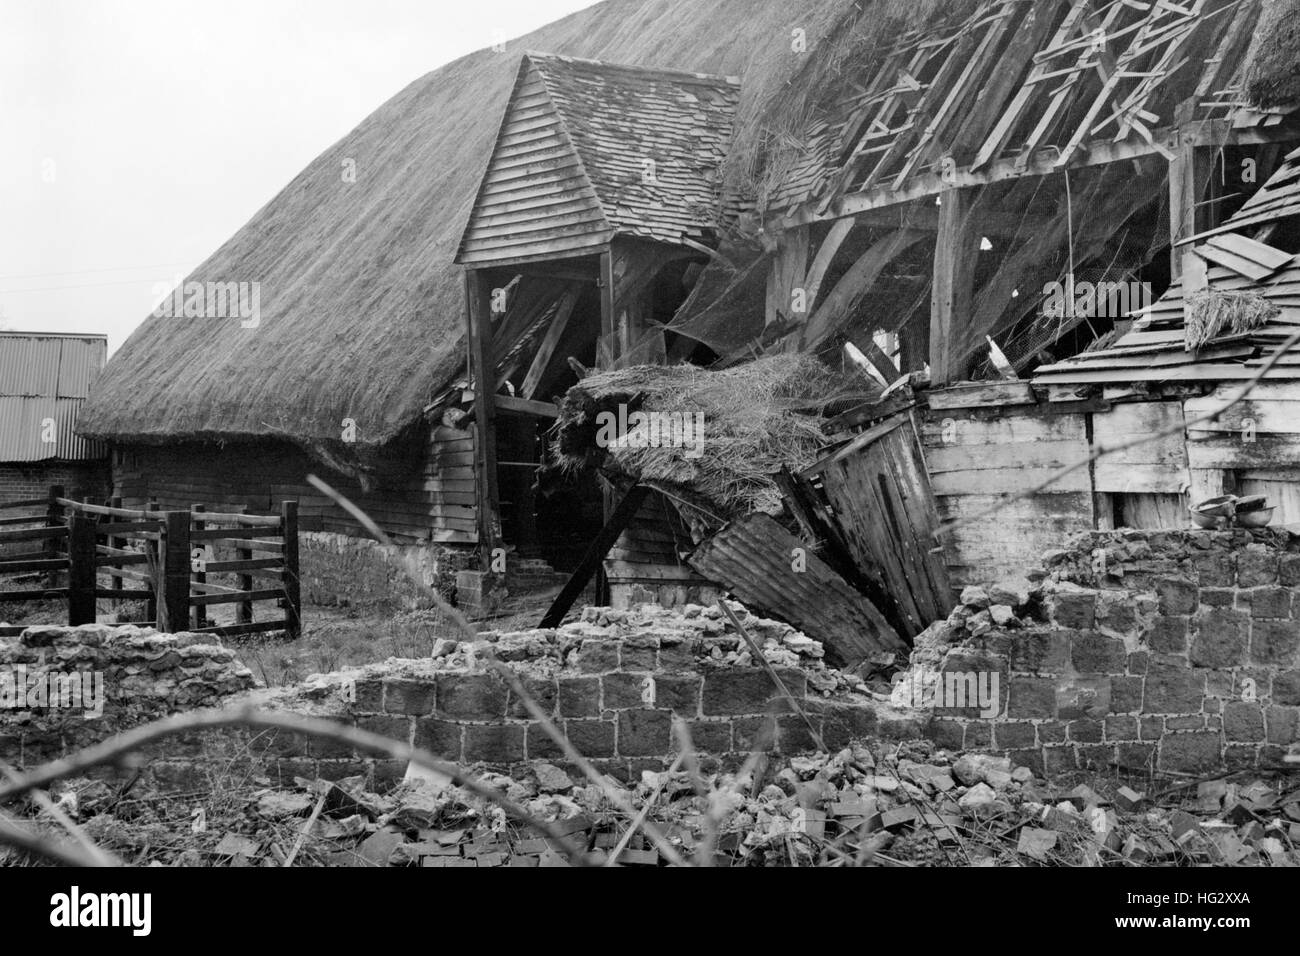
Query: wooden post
[
  {"x": 81, "y": 570},
  {"x": 953, "y": 292},
  {"x": 244, "y": 609},
  {"x": 116, "y": 542},
  {"x": 482, "y": 361},
  {"x": 607, "y": 346},
  {"x": 53, "y": 518},
  {"x": 289, "y": 576},
  {"x": 199, "y": 576},
  {"x": 1191, "y": 183},
  {"x": 595, "y": 554},
  {"x": 154, "y": 548},
  {"x": 175, "y": 572}
]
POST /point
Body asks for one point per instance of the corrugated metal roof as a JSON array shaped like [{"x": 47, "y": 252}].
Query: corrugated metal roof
[
  {"x": 751, "y": 559},
  {"x": 44, "y": 379}
]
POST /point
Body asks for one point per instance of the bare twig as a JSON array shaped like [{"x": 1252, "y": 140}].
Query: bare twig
[
  {"x": 646, "y": 807},
  {"x": 302, "y": 834},
  {"x": 757, "y": 652},
  {"x": 113, "y": 750},
  {"x": 1099, "y": 450},
  {"x": 14, "y": 835},
  {"x": 100, "y": 856}
]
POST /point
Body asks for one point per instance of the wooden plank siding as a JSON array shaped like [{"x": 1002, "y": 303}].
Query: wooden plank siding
[
  {"x": 975, "y": 458},
  {"x": 432, "y": 501}
]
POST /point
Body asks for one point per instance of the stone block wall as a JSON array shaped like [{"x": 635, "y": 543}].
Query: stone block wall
[
  {"x": 1174, "y": 650},
  {"x": 53, "y": 679},
  {"x": 611, "y": 683}
]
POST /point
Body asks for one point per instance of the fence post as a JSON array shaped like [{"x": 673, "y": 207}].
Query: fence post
[
  {"x": 289, "y": 576},
  {"x": 54, "y": 518},
  {"x": 154, "y": 548},
  {"x": 175, "y": 590},
  {"x": 81, "y": 570},
  {"x": 244, "y": 609},
  {"x": 114, "y": 542},
  {"x": 199, "y": 576}
]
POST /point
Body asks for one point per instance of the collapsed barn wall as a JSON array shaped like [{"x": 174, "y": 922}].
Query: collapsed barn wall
[{"x": 1168, "y": 650}]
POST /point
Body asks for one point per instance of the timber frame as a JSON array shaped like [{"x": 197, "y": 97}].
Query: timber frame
[{"x": 945, "y": 122}]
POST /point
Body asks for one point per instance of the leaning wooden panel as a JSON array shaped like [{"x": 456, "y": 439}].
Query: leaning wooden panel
[
  {"x": 755, "y": 559},
  {"x": 883, "y": 503}
]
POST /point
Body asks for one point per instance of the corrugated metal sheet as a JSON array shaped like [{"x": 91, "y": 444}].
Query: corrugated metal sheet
[
  {"x": 44, "y": 380},
  {"x": 752, "y": 558},
  {"x": 80, "y": 361},
  {"x": 29, "y": 366}
]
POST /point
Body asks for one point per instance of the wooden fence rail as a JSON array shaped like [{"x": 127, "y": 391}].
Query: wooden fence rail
[{"x": 169, "y": 557}]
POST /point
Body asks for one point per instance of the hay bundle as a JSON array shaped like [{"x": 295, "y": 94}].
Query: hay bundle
[
  {"x": 756, "y": 419},
  {"x": 1210, "y": 313},
  {"x": 1273, "y": 63}
]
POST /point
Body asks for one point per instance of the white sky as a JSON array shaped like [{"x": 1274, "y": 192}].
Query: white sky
[{"x": 137, "y": 136}]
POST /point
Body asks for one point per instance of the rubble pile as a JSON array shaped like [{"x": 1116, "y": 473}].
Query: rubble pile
[
  {"x": 695, "y": 635},
  {"x": 892, "y": 806}
]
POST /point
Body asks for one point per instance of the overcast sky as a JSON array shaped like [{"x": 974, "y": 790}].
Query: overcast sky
[{"x": 137, "y": 136}]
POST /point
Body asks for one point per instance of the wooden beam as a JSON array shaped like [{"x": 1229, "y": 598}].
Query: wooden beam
[
  {"x": 826, "y": 253},
  {"x": 837, "y": 307},
  {"x": 523, "y": 406},
  {"x": 482, "y": 361},
  {"x": 606, "y": 347},
  {"x": 595, "y": 554},
  {"x": 550, "y": 342},
  {"x": 1190, "y": 173},
  {"x": 1101, "y": 152},
  {"x": 952, "y": 293}
]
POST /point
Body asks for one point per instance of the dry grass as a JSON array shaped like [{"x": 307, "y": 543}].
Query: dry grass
[
  {"x": 750, "y": 427},
  {"x": 1273, "y": 70},
  {"x": 1213, "y": 313}
]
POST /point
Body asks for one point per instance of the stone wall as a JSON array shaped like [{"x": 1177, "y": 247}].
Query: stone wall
[
  {"x": 612, "y": 683},
  {"x": 1178, "y": 650},
  {"x": 62, "y": 688}
]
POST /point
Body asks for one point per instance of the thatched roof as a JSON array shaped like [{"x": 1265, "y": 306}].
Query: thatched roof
[
  {"x": 360, "y": 305},
  {"x": 756, "y": 418},
  {"x": 1273, "y": 73}
]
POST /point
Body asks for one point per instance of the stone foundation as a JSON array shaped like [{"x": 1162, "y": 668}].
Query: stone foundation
[{"x": 1172, "y": 650}]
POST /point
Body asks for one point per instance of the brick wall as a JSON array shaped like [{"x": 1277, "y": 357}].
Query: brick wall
[
  {"x": 23, "y": 480},
  {"x": 1178, "y": 650}
]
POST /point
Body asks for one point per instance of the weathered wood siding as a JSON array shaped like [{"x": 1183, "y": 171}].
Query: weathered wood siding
[
  {"x": 975, "y": 456},
  {"x": 535, "y": 199},
  {"x": 432, "y": 502},
  {"x": 1258, "y": 440}
]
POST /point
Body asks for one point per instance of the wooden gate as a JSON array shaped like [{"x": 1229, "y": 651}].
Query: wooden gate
[{"x": 879, "y": 493}]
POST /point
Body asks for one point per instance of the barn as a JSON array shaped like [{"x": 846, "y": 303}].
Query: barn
[{"x": 914, "y": 194}]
